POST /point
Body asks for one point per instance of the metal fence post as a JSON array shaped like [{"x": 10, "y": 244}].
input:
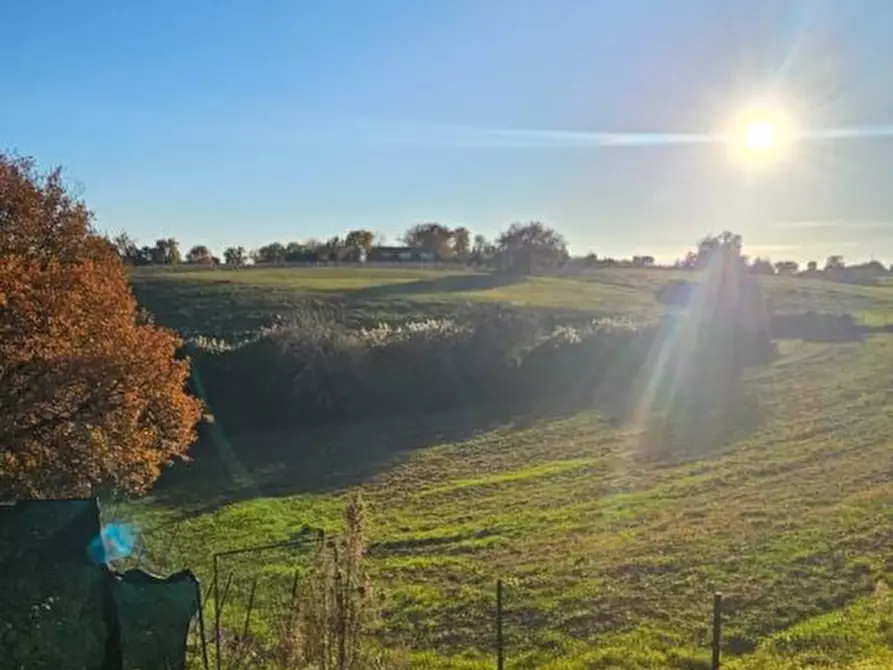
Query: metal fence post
[
  {"x": 216, "y": 615},
  {"x": 717, "y": 629},
  {"x": 500, "y": 655}
]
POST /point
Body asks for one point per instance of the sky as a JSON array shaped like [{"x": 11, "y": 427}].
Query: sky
[{"x": 225, "y": 122}]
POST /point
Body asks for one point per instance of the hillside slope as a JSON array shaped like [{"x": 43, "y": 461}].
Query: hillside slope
[{"x": 611, "y": 537}]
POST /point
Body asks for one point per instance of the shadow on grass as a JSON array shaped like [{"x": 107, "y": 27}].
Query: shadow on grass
[
  {"x": 334, "y": 458},
  {"x": 318, "y": 460},
  {"x": 448, "y": 284}
]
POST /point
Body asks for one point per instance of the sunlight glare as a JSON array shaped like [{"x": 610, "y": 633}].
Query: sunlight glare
[{"x": 760, "y": 136}]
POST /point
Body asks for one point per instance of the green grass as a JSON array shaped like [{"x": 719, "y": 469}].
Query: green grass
[
  {"x": 611, "y": 538},
  {"x": 232, "y": 303}
]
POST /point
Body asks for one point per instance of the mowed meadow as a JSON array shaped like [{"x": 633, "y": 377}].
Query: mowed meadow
[{"x": 610, "y": 535}]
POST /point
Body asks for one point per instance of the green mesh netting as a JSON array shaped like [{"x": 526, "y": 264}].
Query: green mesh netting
[
  {"x": 154, "y": 615},
  {"x": 51, "y": 591},
  {"x": 61, "y": 607}
]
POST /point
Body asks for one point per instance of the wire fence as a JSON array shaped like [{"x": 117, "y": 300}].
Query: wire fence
[{"x": 246, "y": 607}]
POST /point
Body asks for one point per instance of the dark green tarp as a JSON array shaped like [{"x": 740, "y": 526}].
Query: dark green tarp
[
  {"x": 62, "y": 608},
  {"x": 154, "y": 617}
]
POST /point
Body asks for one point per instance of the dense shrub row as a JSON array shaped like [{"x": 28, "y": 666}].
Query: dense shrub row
[{"x": 318, "y": 371}]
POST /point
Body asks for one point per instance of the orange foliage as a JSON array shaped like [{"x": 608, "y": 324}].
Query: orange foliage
[{"x": 89, "y": 397}]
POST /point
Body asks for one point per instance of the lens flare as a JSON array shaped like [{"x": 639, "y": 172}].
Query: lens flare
[{"x": 114, "y": 542}]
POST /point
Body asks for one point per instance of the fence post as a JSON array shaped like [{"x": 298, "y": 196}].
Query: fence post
[
  {"x": 717, "y": 629},
  {"x": 216, "y": 615},
  {"x": 500, "y": 657}
]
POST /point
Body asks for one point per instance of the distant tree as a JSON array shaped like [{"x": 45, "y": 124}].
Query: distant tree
[
  {"x": 762, "y": 266},
  {"x": 726, "y": 245},
  {"x": 812, "y": 266},
  {"x": 526, "y": 248},
  {"x": 643, "y": 261},
  {"x": 235, "y": 256},
  {"x": 90, "y": 396},
  {"x": 294, "y": 252},
  {"x": 146, "y": 255},
  {"x": 127, "y": 250},
  {"x": 461, "y": 242},
  {"x": 590, "y": 260},
  {"x": 359, "y": 239},
  {"x": 200, "y": 255},
  {"x": 834, "y": 263},
  {"x": 787, "y": 267},
  {"x": 480, "y": 244},
  {"x": 166, "y": 252},
  {"x": 334, "y": 250},
  {"x": 432, "y": 237},
  {"x": 270, "y": 253},
  {"x": 482, "y": 251},
  {"x": 356, "y": 245}
]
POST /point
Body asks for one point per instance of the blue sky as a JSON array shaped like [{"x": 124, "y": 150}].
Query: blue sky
[{"x": 232, "y": 122}]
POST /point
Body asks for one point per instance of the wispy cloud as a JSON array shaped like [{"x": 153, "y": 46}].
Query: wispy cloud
[
  {"x": 537, "y": 137},
  {"x": 846, "y": 224},
  {"x": 774, "y": 249}
]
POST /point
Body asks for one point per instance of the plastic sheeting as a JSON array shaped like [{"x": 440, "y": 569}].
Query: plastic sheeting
[{"x": 62, "y": 607}]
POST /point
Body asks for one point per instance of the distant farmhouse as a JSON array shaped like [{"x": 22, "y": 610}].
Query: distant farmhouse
[{"x": 400, "y": 255}]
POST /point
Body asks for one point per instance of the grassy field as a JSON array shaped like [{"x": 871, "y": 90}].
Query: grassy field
[
  {"x": 611, "y": 539},
  {"x": 231, "y": 303}
]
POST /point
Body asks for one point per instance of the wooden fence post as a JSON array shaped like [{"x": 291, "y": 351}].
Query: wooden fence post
[
  {"x": 500, "y": 658},
  {"x": 717, "y": 629}
]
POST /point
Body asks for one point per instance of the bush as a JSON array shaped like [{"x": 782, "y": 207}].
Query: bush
[
  {"x": 320, "y": 371},
  {"x": 316, "y": 370}
]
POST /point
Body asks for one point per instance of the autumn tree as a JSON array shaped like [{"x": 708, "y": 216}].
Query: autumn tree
[
  {"x": 90, "y": 397},
  {"x": 526, "y": 248}
]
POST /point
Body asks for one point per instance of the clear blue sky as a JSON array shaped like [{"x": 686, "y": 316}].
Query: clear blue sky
[{"x": 235, "y": 122}]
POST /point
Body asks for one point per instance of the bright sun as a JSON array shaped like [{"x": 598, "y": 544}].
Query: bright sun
[{"x": 759, "y": 136}]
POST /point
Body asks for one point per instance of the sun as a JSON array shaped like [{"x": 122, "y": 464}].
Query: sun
[{"x": 760, "y": 135}]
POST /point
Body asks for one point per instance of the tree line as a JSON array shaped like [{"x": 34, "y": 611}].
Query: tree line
[
  {"x": 522, "y": 248},
  {"x": 834, "y": 266}
]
